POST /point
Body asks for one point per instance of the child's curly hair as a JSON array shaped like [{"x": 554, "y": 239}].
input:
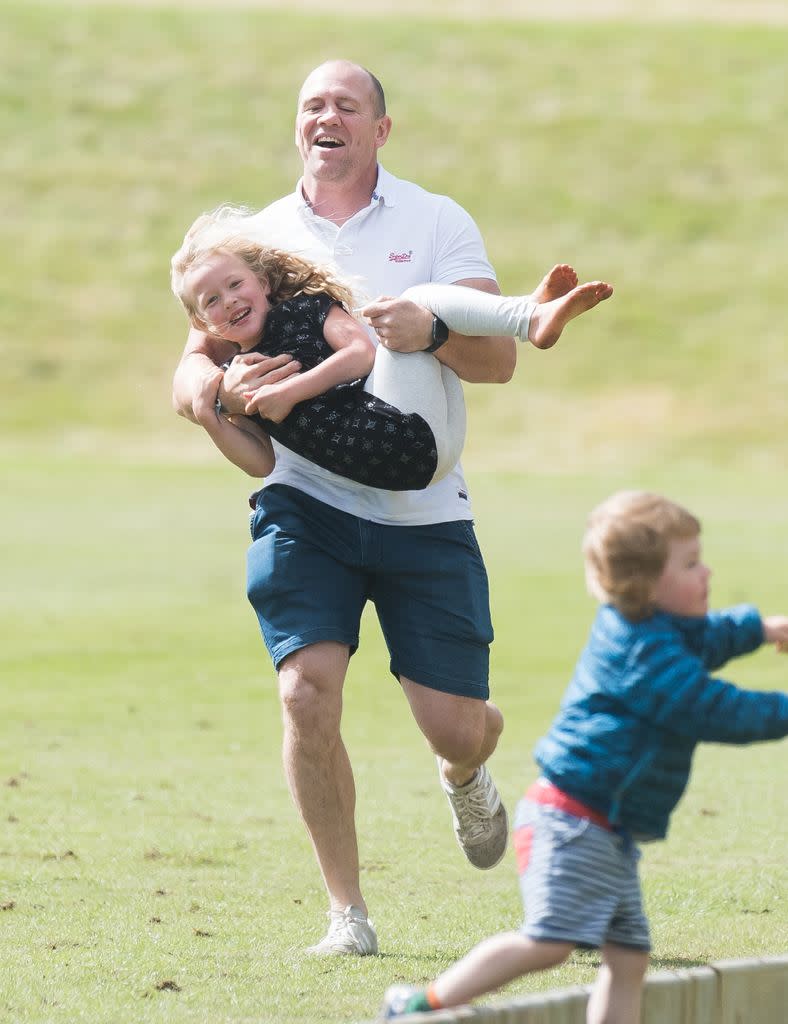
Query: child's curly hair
[
  {"x": 283, "y": 274},
  {"x": 625, "y": 548}
]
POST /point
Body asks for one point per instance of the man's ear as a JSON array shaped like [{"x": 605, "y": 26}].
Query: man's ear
[{"x": 382, "y": 130}]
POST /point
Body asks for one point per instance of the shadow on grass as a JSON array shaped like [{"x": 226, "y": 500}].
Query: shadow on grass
[
  {"x": 675, "y": 963},
  {"x": 663, "y": 963}
]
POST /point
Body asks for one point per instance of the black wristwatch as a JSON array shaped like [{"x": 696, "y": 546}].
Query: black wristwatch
[
  {"x": 440, "y": 335},
  {"x": 218, "y": 407}
]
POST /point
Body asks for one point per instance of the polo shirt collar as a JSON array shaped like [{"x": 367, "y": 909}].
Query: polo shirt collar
[
  {"x": 385, "y": 190},
  {"x": 386, "y": 187}
]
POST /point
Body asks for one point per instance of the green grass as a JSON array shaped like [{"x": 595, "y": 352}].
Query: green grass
[
  {"x": 650, "y": 155},
  {"x": 148, "y": 837},
  {"x": 151, "y": 864}
]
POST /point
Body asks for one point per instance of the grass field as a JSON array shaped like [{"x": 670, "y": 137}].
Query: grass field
[{"x": 151, "y": 864}]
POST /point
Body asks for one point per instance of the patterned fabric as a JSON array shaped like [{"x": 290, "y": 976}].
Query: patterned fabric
[
  {"x": 640, "y": 701},
  {"x": 346, "y": 430}
]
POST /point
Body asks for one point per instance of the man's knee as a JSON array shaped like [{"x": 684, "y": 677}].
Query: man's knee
[
  {"x": 462, "y": 738},
  {"x": 310, "y": 687}
]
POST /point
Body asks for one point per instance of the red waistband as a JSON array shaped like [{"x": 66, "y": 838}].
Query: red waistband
[{"x": 544, "y": 792}]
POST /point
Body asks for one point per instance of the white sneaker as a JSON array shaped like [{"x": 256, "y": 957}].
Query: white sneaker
[
  {"x": 349, "y": 932},
  {"x": 480, "y": 821}
]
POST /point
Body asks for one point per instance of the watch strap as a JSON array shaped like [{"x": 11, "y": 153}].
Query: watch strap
[{"x": 440, "y": 335}]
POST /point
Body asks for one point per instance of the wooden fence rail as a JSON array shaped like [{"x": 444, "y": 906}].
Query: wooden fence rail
[{"x": 728, "y": 992}]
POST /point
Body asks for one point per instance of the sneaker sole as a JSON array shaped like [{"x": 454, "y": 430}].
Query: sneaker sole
[{"x": 481, "y": 856}]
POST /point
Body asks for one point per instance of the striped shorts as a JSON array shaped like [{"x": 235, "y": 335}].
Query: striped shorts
[{"x": 579, "y": 880}]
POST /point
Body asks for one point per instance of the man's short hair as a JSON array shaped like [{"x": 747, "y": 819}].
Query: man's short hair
[
  {"x": 378, "y": 95},
  {"x": 626, "y": 545}
]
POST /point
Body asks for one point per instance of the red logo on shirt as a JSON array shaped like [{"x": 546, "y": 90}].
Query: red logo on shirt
[{"x": 400, "y": 257}]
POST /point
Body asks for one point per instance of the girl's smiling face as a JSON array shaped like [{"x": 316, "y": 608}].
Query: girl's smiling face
[{"x": 229, "y": 298}]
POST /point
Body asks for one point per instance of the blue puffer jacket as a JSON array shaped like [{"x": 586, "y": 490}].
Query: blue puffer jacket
[{"x": 640, "y": 701}]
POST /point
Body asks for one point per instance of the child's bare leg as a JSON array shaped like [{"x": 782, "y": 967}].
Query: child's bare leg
[
  {"x": 618, "y": 989},
  {"x": 495, "y": 962},
  {"x": 556, "y": 282},
  {"x": 549, "y": 318}
]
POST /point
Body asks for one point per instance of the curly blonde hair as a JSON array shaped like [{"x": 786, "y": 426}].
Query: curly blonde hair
[
  {"x": 625, "y": 548},
  {"x": 282, "y": 274}
]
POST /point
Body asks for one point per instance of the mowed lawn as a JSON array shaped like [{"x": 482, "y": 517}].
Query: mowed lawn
[{"x": 152, "y": 866}]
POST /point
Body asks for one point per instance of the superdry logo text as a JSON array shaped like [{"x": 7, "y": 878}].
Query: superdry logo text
[{"x": 400, "y": 257}]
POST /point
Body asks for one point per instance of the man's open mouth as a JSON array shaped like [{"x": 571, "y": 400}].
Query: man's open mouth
[{"x": 329, "y": 142}]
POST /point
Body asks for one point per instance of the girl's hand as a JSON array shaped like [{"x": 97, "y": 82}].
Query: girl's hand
[
  {"x": 271, "y": 401},
  {"x": 248, "y": 372},
  {"x": 775, "y": 631}
]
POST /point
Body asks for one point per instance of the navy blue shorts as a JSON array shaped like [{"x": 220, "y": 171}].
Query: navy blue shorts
[{"x": 312, "y": 568}]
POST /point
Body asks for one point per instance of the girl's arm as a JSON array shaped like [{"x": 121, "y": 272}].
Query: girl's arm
[
  {"x": 201, "y": 360},
  {"x": 241, "y": 441},
  {"x": 352, "y": 357}
]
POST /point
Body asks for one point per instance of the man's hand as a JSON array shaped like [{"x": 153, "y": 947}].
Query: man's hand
[
  {"x": 248, "y": 373},
  {"x": 204, "y": 401},
  {"x": 401, "y": 325}
]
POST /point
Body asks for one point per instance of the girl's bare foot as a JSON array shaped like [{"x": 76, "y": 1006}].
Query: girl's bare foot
[
  {"x": 557, "y": 282},
  {"x": 550, "y": 318}
]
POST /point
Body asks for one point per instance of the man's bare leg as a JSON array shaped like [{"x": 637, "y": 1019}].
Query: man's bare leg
[
  {"x": 549, "y": 318},
  {"x": 463, "y": 732},
  {"x": 320, "y": 778}
]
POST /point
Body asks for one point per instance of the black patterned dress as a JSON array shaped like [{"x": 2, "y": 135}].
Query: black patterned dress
[{"x": 345, "y": 430}]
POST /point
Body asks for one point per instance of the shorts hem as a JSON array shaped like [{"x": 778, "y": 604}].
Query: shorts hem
[
  {"x": 476, "y": 691},
  {"x": 314, "y": 636},
  {"x": 535, "y": 936}
]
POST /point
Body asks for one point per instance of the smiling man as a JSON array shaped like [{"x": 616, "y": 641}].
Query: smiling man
[
  {"x": 341, "y": 124},
  {"x": 324, "y": 546}
]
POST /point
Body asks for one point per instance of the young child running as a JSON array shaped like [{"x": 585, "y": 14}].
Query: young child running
[
  {"x": 617, "y": 757},
  {"x": 386, "y": 419}
]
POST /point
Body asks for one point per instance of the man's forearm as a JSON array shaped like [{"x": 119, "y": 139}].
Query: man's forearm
[
  {"x": 192, "y": 370},
  {"x": 489, "y": 360},
  {"x": 202, "y": 357},
  {"x": 480, "y": 360}
]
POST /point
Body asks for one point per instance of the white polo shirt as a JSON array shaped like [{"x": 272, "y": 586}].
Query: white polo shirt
[{"x": 405, "y": 236}]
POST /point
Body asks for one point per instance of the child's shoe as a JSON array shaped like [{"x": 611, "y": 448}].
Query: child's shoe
[{"x": 400, "y": 1000}]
